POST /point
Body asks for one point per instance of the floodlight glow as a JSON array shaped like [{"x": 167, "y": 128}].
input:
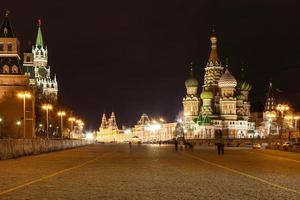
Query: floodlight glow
[
  {"x": 127, "y": 131},
  {"x": 89, "y": 136}
]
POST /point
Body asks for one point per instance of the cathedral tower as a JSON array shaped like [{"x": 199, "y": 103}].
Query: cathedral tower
[
  {"x": 213, "y": 69},
  {"x": 191, "y": 100}
]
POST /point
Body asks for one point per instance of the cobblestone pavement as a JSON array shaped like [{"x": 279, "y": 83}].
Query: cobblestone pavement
[{"x": 112, "y": 171}]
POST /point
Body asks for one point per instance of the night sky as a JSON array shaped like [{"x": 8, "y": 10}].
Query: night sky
[{"x": 132, "y": 57}]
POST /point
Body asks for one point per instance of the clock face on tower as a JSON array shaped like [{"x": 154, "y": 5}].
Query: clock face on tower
[{"x": 42, "y": 72}]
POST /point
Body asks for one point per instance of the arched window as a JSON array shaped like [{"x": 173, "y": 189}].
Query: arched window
[
  {"x": 14, "y": 69},
  {"x": 5, "y": 69}
]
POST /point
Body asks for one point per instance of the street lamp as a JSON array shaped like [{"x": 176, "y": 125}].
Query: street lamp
[
  {"x": 61, "y": 114},
  {"x": 281, "y": 108},
  {"x": 47, "y": 107},
  {"x": 18, "y": 123},
  {"x": 72, "y": 120},
  {"x": 24, "y": 95},
  {"x": 0, "y": 125}
]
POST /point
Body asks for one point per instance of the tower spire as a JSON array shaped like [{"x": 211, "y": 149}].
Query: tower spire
[
  {"x": 270, "y": 102},
  {"x": 191, "y": 70},
  {"x": 39, "y": 39},
  {"x": 213, "y": 56},
  {"x": 6, "y": 29}
]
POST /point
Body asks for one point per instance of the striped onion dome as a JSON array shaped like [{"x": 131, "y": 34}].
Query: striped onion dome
[{"x": 227, "y": 80}]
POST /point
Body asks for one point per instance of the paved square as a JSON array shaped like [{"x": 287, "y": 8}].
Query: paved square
[{"x": 113, "y": 171}]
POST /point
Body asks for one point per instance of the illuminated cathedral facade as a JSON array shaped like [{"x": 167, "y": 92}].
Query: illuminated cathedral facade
[{"x": 222, "y": 107}]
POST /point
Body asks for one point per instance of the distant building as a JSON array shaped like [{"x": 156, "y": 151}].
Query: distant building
[
  {"x": 14, "y": 81},
  {"x": 145, "y": 130},
  {"x": 108, "y": 131},
  {"x": 223, "y": 105}
]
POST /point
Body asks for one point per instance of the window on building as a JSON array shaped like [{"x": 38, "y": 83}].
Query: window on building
[
  {"x": 15, "y": 69},
  {"x": 5, "y": 69},
  {"x": 1, "y": 47},
  {"x": 9, "y": 47},
  {"x": 28, "y": 59}
]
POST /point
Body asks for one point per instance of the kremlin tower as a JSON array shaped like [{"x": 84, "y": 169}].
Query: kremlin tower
[{"x": 37, "y": 67}]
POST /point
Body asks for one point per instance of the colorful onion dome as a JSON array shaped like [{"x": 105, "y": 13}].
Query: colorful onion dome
[
  {"x": 227, "y": 80},
  {"x": 240, "y": 97},
  {"x": 206, "y": 94},
  {"x": 244, "y": 86},
  {"x": 191, "y": 82}
]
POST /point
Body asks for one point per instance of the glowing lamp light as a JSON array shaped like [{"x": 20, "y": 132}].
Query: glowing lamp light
[
  {"x": 23, "y": 95},
  {"x": 127, "y": 131},
  {"x": 61, "y": 113},
  {"x": 89, "y": 136},
  {"x": 47, "y": 107}
]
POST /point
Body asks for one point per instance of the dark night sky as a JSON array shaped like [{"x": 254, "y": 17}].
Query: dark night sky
[{"x": 132, "y": 56}]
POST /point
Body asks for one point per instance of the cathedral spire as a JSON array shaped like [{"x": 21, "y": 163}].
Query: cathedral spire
[
  {"x": 213, "y": 56},
  {"x": 6, "y": 29},
  {"x": 39, "y": 39}
]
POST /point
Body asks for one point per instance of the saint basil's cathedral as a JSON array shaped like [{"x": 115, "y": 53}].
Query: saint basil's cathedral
[{"x": 222, "y": 107}]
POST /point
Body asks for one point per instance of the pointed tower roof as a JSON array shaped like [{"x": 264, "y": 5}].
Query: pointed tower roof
[
  {"x": 270, "y": 102},
  {"x": 213, "y": 56},
  {"x": 6, "y": 29},
  {"x": 103, "y": 121},
  {"x": 39, "y": 38},
  {"x": 112, "y": 121}
]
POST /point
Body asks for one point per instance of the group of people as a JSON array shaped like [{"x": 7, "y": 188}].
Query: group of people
[{"x": 187, "y": 145}]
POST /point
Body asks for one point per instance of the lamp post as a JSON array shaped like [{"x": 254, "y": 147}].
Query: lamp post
[
  {"x": 281, "y": 108},
  {"x": 0, "y": 126},
  {"x": 72, "y": 120},
  {"x": 47, "y": 107},
  {"x": 24, "y": 95},
  {"x": 61, "y": 114}
]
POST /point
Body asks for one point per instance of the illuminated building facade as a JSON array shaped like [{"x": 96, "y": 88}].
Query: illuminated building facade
[
  {"x": 223, "y": 105},
  {"x": 145, "y": 130},
  {"x": 13, "y": 82}
]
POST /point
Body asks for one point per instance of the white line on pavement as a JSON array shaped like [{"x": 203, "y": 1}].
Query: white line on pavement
[
  {"x": 50, "y": 175},
  {"x": 266, "y": 154},
  {"x": 243, "y": 174}
]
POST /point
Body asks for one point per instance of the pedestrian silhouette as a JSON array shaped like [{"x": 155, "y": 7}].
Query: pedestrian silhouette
[
  {"x": 176, "y": 145},
  {"x": 130, "y": 145}
]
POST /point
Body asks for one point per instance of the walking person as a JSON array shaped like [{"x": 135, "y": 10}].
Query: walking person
[
  {"x": 222, "y": 148},
  {"x": 176, "y": 145},
  {"x": 129, "y": 145},
  {"x": 218, "y": 144}
]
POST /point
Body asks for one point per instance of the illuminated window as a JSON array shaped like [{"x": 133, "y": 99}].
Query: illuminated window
[
  {"x": 14, "y": 69},
  {"x": 5, "y": 69}
]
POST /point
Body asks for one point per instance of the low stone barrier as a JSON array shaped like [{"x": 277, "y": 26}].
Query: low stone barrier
[{"x": 13, "y": 148}]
